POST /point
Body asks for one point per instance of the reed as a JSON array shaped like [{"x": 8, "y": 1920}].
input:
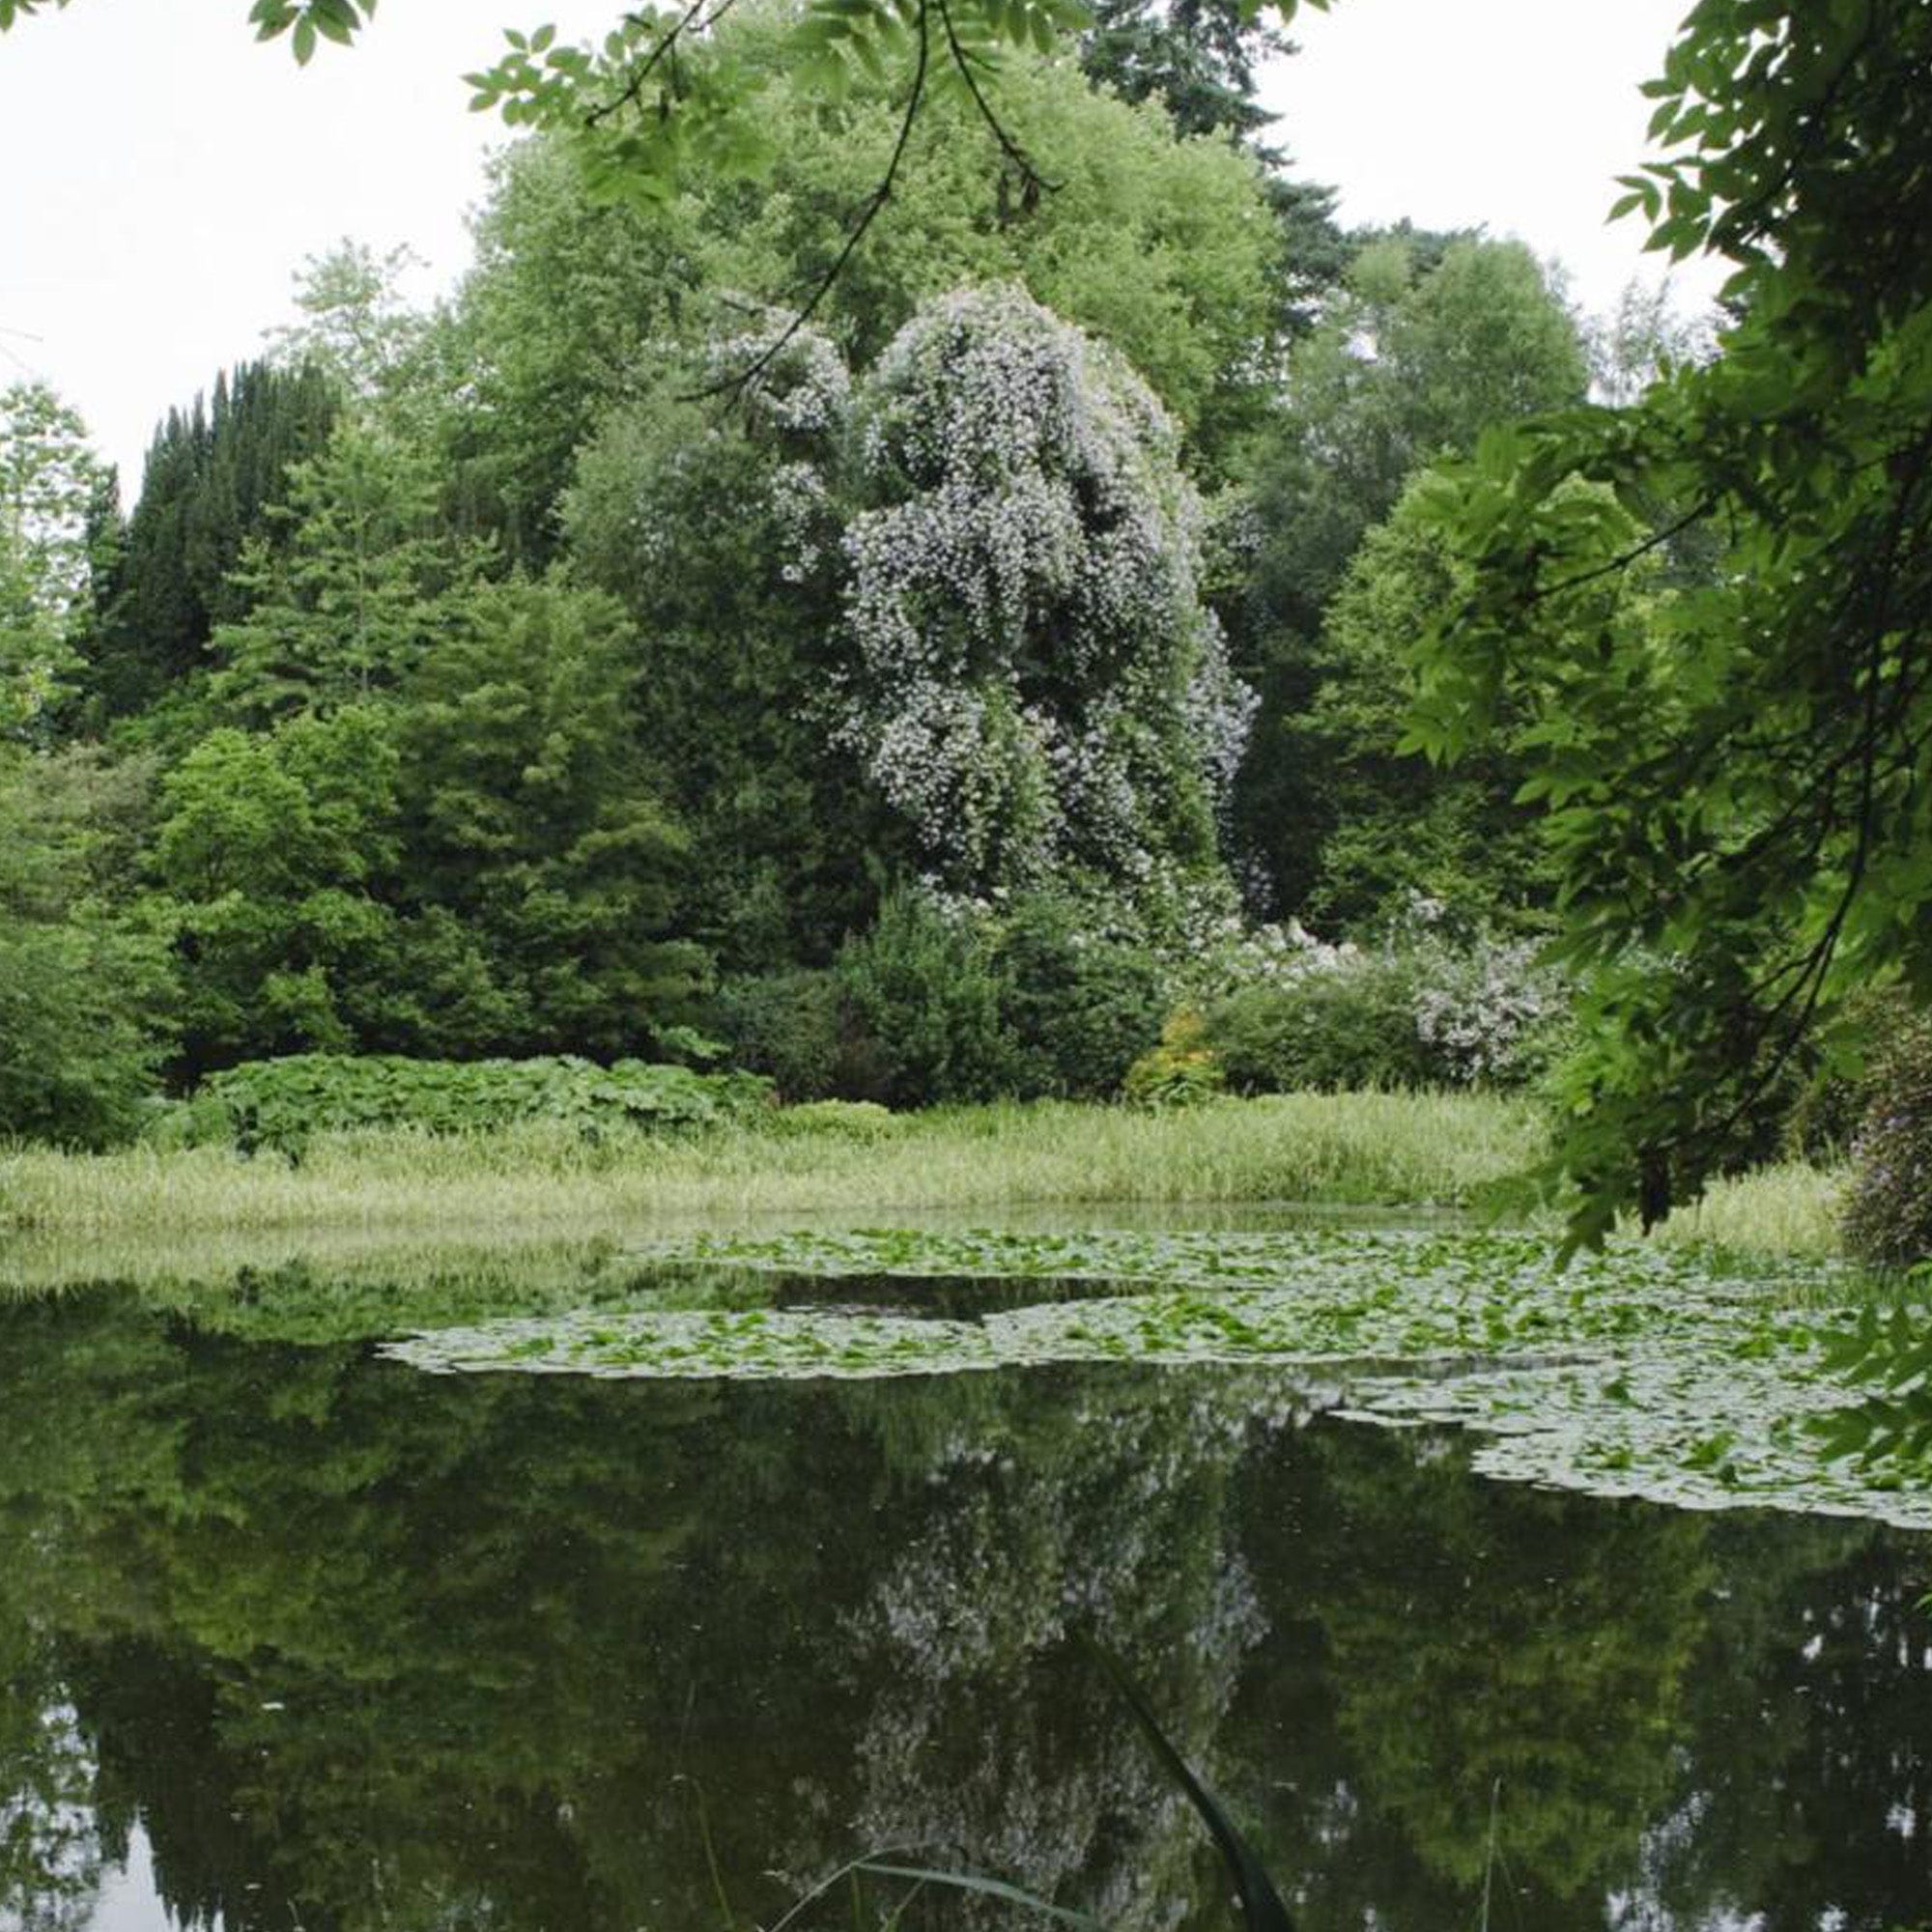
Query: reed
[
  {"x": 1786, "y": 1211},
  {"x": 538, "y": 1184}
]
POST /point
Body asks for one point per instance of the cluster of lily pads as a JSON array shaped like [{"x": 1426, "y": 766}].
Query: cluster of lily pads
[{"x": 1637, "y": 1371}]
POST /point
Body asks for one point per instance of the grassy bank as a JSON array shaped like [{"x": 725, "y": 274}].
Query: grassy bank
[
  {"x": 1790, "y": 1210},
  {"x": 1349, "y": 1150},
  {"x": 143, "y": 1213}
]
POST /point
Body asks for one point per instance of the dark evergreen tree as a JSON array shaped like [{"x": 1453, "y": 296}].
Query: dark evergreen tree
[
  {"x": 214, "y": 473},
  {"x": 1198, "y": 57}
]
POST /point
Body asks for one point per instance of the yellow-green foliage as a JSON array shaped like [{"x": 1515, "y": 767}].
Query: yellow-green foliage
[{"x": 1181, "y": 1071}]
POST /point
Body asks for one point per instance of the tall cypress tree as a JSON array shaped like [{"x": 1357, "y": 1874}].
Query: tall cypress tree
[{"x": 214, "y": 473}]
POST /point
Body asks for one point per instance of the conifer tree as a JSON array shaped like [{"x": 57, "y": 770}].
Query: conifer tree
[{"x": 214, "y": 471}]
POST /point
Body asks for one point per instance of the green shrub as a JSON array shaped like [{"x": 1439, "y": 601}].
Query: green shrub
[
  {"x": 1081, "y": 1006},
  {"x": 925, "y": 1003},
  {"x": 280, "y": 1103},
  {"x": 839, "y": 1120},
  {"x": 1181, "y": 1071},
  {"x": 1323, "y": 1031},
  {"x": 1889, "y": 1202},
  {"x": 792, "y": 1027}
]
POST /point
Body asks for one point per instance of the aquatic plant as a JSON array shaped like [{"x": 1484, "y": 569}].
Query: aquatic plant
[{"x": 1641, "y": 1371}]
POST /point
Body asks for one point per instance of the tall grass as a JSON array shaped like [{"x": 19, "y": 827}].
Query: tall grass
[
  {"x": 1789, "y": 1210},
  {"x": 1343, "y": 1150}
]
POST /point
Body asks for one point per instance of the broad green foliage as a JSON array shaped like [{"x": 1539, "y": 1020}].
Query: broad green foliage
[
  {"x": 268, "y": 846},
  {"x": 50, "y": 483},
  {"x": 1740, "y": 808},
  {"x": 282, "y": 1104},
  {"x": 86, "y": 992},
  {"x": 531, "y": 818}
]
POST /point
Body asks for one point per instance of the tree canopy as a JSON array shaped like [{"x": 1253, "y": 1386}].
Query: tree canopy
[{"x": 1738, "y": 794}]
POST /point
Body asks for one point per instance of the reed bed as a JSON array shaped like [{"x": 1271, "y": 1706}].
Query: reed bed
[
  {"x": 1344, "y": 1149},
  {"x": 1786, "y": 1211}
]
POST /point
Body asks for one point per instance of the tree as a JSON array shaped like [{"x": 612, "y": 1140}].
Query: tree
[
  {"x": 51, "y": 482},
  {"x": 85, "y": 980},
  {"x": 731, "y": 615},
  {"x": 267, "y": 847},
  {"x": 344, "y": 591},
  {"x": 214, "y": 473},
  {"x": 1383, "y": 825},
  {"x": 953, "y": 626},
  {"x": 1029, "y": 678},
  {"x": 357, "y": 329},
  {"x": 1740, "y": 800},
  {"x": 1432, "y": 340},
  {"x": 1160, "y": 246},
  {"x": 535, "y": 822}
]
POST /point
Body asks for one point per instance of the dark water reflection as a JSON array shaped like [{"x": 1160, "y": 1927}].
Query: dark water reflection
[{"x": 294, "y": 1638}]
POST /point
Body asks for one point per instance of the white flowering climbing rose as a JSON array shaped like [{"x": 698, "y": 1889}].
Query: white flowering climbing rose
[{"x": 1026, "y": 671}]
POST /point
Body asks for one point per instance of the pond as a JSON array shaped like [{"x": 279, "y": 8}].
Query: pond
[{"x": 296, "y": 1632}]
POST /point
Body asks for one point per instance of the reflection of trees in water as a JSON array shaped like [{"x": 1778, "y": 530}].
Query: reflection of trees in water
[
  {"x": 1816, "y": 1675},
  {"x": 1465, "y": 1645},
  {"x": 361, "y": 1647},
  {"x": 1628, "y": 1683},
  {"x": 1059, "y": 1503},
  {"x": 50, "y": 1848}
]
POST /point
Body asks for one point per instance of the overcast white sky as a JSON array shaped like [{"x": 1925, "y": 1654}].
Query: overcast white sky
[{"x": 162, "y": 176}]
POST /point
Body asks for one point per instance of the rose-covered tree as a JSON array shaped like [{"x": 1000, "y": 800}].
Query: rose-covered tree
[{"x": 1028, "y": 674}]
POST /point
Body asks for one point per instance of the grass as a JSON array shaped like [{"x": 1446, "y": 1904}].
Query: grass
[
  {"x": 1789, "y": 1210},
  {"x": 529, "y": 1194},
  {"x": 535, "y": 1186}
]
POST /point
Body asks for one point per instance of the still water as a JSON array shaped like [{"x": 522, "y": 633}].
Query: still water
[{"x": 295, "y": 1638}]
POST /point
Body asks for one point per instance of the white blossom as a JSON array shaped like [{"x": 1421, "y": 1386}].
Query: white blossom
[{"x": 1031, "y": 677}]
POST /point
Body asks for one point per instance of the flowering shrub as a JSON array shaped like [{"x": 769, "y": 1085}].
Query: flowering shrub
[
  {"x": 1031, "y": 681},
  {"x": 1422, "y": 1010},
  {"x": 1888, "y": 1203}
]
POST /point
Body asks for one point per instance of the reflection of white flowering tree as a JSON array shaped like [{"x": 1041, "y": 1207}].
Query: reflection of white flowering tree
[{"x": 1030, "y": 680}]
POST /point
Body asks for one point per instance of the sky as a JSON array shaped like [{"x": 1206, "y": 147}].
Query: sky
[
  {"x": 162, "y": 178},
  {"x": 1514, "y": 114}
]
